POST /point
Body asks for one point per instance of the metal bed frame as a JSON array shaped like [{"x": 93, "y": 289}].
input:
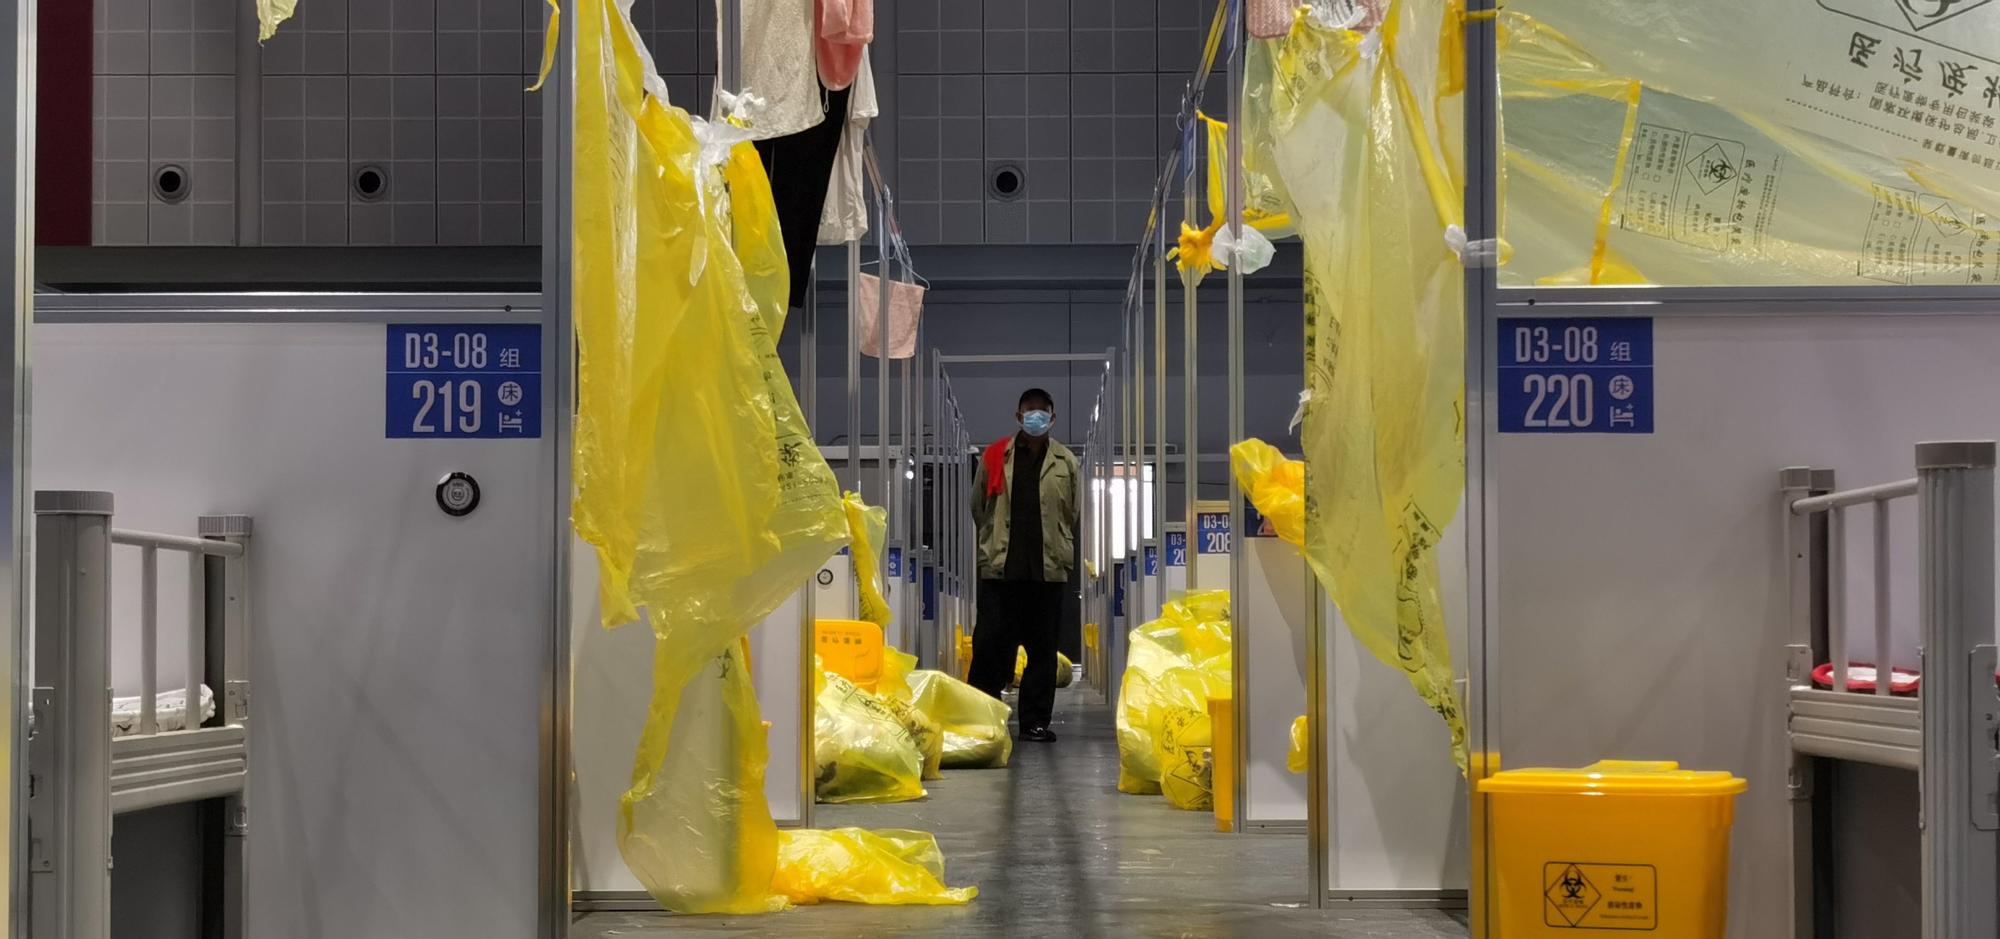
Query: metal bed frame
[
  {"x": 1947, "y": 731},
  {"x": 80, "y": 776}
]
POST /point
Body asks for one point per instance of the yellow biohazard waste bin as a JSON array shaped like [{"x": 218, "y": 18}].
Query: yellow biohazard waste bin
[
  {"x": 1618, "y": 845},
  {"x": 851, "y": 649}
]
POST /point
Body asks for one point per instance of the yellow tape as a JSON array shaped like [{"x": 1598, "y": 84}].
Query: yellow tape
[{"x": 1633, "y": 93}]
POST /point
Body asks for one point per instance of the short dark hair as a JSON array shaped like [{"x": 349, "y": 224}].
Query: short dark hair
[{"x": 1037, "y": 396}]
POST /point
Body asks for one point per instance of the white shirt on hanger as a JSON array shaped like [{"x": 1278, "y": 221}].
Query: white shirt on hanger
[{"x": 845, "y": 217}]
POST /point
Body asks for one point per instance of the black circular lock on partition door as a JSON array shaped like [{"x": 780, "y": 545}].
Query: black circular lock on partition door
[
  {"x": 825, "y": 577},
  {"x": 458, "y": 494}
]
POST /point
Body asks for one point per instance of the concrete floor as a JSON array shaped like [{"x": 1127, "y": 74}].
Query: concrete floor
[{"x": 1056, "y": 851}]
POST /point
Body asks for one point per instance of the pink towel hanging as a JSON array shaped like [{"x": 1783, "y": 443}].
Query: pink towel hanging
[
  {"x": 846, "y": 27},
  {"x": 906, "y": 309}
]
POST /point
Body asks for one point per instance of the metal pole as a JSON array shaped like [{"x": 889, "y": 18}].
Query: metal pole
[
  {"x": 1238, "y": 555},
  {"x": 854, "y": 368},
  {"x": 808, "y": 677},
  {"x": 554, "y": 808},
  {"x": 1318, "y": 766},
  {"x": 70, "y": 763},
  {"x": 1960, "y": 783},
  {"x": 882, "y": 462},
  {"x": 1190, "y": 383},
  {"x": 1160, "y": 398}
]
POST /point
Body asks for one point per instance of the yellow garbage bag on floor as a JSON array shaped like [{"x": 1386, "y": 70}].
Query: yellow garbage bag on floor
[
  {"x": 897, "y": 667},
  {"x": 857, "y": 866},
  {"x": 1065, "y": 669},
  {"x": 862, "y": 751},
  {"x": 1173, "y": 665},
  {"x": 1275, "y": 485},
  {"x": 1187, "y": 766},
  {"x": 1364, "y": 131},
  {"x": 974, "y": 723}
]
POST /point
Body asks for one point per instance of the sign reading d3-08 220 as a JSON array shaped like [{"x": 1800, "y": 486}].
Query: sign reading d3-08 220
[
  {"x": 464, "y": 381},
  {"x": 1562, "y": 375}
]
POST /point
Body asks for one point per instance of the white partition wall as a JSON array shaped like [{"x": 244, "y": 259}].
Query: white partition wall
[
  {"x": 1276, "y": 601},
  {"x": 1396, "y": 803},
  {"x": 1635, "y": 594},
  {"x": 399, "y": 661}
]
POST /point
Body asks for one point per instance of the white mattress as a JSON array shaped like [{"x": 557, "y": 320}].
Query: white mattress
[{"x": 169, "y": 709}]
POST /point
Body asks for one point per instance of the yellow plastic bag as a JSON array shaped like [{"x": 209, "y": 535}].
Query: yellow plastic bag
[
  {"x": 863, "y": 752},
  {"x": 869, "y": 524},
  {"x": 1065, "y": 669},
  {"x": 1173, "y": 665},
  {"x": 1264, "y": 212},
  {"x": 894, "y": 690},
  {"x": 1275, "y": 485},
  {"x": 974, "y": 723},
  {"x": 271, "y": 13},
  {"x": 1836, "y": 142},
  {"x": 883, "y": 867},
  {"x": 1365, "y": 131},
  {"x": 1296, "y": 758},
  {"x": 706, "y": 513},
  {"x": 1187, "y": 765}
]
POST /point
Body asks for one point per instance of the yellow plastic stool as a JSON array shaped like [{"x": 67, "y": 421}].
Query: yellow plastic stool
[
  {"x": 1222, "y": 759},
  {"x": 1617, "y": 845},
  {"x": 964, "y": 654},
  {"x": 851, "y": 649}
]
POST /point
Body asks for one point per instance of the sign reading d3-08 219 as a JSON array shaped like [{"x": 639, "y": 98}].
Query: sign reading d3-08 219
[{"x": 468, "y": 381}]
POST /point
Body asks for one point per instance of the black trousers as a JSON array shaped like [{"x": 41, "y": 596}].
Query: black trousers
[{"x": 1014, "y": 614}]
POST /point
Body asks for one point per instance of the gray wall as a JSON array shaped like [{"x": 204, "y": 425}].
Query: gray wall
[{"x": 1077, "y": 96}]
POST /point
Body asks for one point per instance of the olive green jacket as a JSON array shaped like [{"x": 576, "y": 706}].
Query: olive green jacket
[{"x": 1059, "y": 514}]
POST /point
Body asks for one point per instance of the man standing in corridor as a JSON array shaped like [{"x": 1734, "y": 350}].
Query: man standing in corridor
[{"x": 1024, "y": 499}]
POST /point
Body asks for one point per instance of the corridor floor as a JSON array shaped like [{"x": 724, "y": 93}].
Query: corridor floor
[{"x": 1056, "y": 851}]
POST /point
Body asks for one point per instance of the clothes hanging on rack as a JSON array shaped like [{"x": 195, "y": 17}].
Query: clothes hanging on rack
[
  {"x": 846, "y": 27},
  {"x": 777, "y": 39},
  {"x": 800, "y": 166},
  {"x": 846, "y": 215}
]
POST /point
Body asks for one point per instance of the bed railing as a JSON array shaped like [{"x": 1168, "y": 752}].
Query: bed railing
[
  {"x": 78, "y": 775},
  {"x": 198, "y": 550}
]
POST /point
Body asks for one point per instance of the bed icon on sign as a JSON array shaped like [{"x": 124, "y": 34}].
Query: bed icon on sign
[
  {"x": 1624, "y": 417},
  {"x": 512, "y": 422}
]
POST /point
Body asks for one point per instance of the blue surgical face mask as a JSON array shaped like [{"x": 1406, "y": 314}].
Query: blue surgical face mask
[{"x": 1036, "y": 423}]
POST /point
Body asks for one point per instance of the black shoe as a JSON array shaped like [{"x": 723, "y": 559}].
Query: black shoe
[{"x": 1039, "y": 735}]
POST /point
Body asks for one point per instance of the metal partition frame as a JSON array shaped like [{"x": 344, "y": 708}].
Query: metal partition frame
[{"x": 17, "y": 161}]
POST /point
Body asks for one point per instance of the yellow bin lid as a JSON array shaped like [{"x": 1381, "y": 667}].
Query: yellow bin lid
[{"x": 1622, "y": 777}]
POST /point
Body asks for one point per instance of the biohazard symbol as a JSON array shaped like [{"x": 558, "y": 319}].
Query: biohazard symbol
[
  {"x": 1571, "y": 896},
  {"x": 1712, "y": 169},
  {"x": 1927, "y": 13}
]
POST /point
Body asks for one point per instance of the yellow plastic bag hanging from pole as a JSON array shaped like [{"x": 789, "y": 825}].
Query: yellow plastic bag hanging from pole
[
  {"x": 1364, "y": 130},
  {"x": 271, "y": 13},
  {"x": 696, "y": 482},
  {"x": 869, "y": 525},
  {"x": 1275, "y": 485}
]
